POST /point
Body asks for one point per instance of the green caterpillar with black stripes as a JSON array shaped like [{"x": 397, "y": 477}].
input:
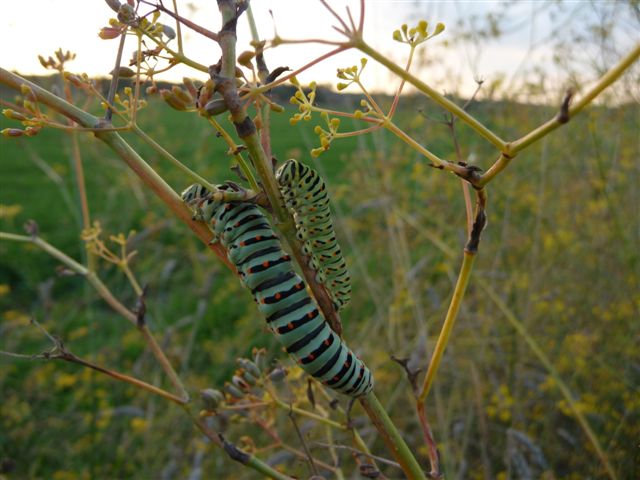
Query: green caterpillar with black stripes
[
  {"x": 306, "y": 197},
  {"x": 281, "y": 295}
]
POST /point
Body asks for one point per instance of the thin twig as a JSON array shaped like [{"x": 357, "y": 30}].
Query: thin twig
[{"x": 358, "y": 452}]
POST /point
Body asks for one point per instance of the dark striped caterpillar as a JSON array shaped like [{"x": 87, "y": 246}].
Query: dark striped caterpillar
[
  {"x": 266, "y": 270},
  {"x": 306, "y": 196}
]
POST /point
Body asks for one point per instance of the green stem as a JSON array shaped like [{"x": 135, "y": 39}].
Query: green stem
[
  {"x": 306, "y": 413},
  {"x": 177, "y": 57},
  {"x": 437, "y": 97},
  {"x": 522, "y": 143},
  {"x": 607, "y": 79},
  {"x": 108, "y": 297},
  {"x": 154, "y": 182},
  {"x": 449, "y": 322},
  {"x": 391, "y": 437},
  {"x": 125, "y": 378},
  {"x": 564, "y": 389},
  {"x": 173, "y": 160},
  {"x": 239, "y": 158},
  {"x": 234, "y": 452},
  {"x": 178, "y": 28}
]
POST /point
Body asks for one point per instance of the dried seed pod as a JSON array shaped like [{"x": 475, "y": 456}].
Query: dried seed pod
[
  {"x": 169, "y": 32},
  {"x": 113, "y": 5},
  {"x": 240, "y": 383},
  {"x": 172, "y": 100},
  {"x": 188, "y": 83},
  {"x": 215, "y": 106},
  {"x": 123, "y": 72},
  {"x": 211, "y": 399},
  {"x": 274, "y": 107},
  {"x": 258, "y": 357},
  {"x": 277, "y": 375},
  {"x": 233, "y": 391},
  {"x": 249, "y": 366},
  {"x": 13, "y": 115},
  {"x": 182, "y": 95},
  {"x": 249, "y": 378},
  {"x": 12, "y": 132},
  {"x": 245, "y": 57}
]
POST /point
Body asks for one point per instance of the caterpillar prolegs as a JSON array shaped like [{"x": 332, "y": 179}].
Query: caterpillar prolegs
[
  {"x": 306, "y": 196},
  {"x": 291, "y": 314}
]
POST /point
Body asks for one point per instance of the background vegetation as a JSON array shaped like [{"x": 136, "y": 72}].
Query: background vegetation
[{"x": 560, "y": 258}]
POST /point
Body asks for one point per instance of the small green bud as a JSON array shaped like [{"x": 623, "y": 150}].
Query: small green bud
[
  {"x": 341, "y": 86},
  {"x": 439, "y": 29},
  {"x": 397, "y": 36}
]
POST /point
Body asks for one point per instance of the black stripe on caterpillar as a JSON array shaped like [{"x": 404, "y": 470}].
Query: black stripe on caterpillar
[
  {"x": 306, "y": 196},
  {"x": 281, "y": 295}
]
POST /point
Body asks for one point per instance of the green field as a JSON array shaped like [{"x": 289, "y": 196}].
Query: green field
[{"x": 561, "y": 250}]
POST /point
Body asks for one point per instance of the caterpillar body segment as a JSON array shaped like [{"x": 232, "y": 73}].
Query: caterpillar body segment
[
  {"x": 281, "y": 295},
  {"x": 306, "y": 196}
]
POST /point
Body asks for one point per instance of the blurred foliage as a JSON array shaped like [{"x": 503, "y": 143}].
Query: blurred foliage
[{"x": 561, "y": 248}]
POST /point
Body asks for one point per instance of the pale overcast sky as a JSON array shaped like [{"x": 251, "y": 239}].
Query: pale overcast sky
[{"x": 32, "y": 27}]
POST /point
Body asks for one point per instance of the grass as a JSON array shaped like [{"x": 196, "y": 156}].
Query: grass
[{"x": 560, "y": 250}]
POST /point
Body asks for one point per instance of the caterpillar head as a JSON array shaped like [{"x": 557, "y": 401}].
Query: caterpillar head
[
  {"x": 193, "y": 193},
  {"x": 203, "y": 202},
  {"x": 288, "y": 172}
]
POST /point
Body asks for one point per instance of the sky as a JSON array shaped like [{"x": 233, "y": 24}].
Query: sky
[{"x": 32, "y": 27}]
